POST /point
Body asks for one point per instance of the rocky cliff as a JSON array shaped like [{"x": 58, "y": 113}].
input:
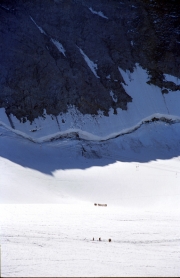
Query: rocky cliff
[{"x": 60, "y": 53}]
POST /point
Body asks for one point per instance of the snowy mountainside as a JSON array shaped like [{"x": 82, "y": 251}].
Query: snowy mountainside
[
  {"x": 82, "y": 65},
  {"x": 148, "y": 103},
  {"x": 89, "y": 114}
]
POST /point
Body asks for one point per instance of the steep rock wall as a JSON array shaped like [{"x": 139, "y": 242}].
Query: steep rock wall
[{"x": 55, "y": 54}]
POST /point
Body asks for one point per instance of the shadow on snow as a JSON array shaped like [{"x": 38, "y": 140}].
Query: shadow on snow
[{"x": 151, "y": 142}]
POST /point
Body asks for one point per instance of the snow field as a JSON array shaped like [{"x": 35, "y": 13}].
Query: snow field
[{"x": 56, "y": 240}]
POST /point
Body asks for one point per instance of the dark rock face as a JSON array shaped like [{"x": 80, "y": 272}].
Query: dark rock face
[{"x": 45, "y": 46}]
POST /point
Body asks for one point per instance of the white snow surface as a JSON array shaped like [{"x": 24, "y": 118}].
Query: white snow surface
[
  {"x": 59, "y": 46},
  {"x": 57, "y": 241},
  {"x": 147, "y": 102},
  {"x": 98, "y": 13}
]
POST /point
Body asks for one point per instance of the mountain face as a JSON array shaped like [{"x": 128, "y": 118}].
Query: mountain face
[{"x": 71, "y": 53}]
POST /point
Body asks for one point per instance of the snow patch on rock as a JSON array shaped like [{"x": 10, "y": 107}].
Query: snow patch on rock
[
  {"x": 90, "y": 63},
  {"x": 172, "y": 78},
  {"x": 40, "y": 29},
  {"x": 113, "y": 96},
  {"x": 98, "y": 13},
  {"x": 59, "y": 46}
]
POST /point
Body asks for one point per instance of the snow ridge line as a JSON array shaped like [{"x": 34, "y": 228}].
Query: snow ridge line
[{"x": 84, "y": 135}]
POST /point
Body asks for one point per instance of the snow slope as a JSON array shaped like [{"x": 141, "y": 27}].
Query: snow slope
[{"x": 137, "y": 169}]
